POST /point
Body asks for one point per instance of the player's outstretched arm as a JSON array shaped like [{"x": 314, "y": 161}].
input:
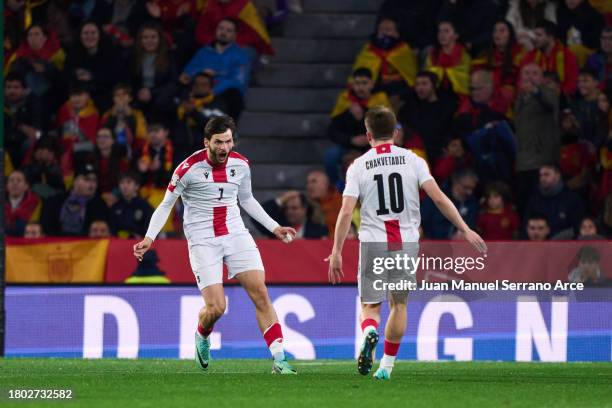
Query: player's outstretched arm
[
  {"x": 343, "y": 225},
  {"x": 158, "y": 219},
  {"x": 448, "y": 209}
]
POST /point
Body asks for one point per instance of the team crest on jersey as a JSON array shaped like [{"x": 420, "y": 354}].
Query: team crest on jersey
[{"x": 232, "y": 172}]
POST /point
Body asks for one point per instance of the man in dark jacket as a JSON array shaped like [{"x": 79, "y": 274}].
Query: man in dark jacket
[
  {"x": 292, "y": 208},
  {"x": 562, "y": 208},
  {"x": 71, "y": 214},
  {"x": 131, "y": 214}
]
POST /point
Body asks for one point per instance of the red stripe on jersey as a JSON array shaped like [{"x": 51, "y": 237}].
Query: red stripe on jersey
[
  {"x": 184, "y": 167},
  {"x": 237, "y": 155},
  {"x": 383, "y": 148},
  {"x": 219, "y": 221},
  {"x": 393, "y": 231},
  {"x": 219, "y": 174}
]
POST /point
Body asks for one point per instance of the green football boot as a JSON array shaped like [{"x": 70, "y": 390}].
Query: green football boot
[
  {"x": 366, "y": 354},
  {"x": 202, "y": 351},
  {"x": 381, "y": 374},
  {"x": 282, "y": 367}
]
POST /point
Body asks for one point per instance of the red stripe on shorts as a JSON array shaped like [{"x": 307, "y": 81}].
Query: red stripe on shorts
[
  {"x": 393, "y": 231},
  {"x": 219, "y": 221}
]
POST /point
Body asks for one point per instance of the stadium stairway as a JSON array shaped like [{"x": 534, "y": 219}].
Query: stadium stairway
[{"x": 283, "y": 128}]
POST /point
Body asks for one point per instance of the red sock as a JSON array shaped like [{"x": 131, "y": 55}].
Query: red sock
[
  {"x": 391, "y": 348},
  {"x": 369, "y": 322},
  {"x": 272, "y": 333},
  {"x": 204, "y": 332}
]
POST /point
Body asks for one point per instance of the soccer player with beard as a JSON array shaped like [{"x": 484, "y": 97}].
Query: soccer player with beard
[
  {"x": 386, "y": 180},
  {"x": 210, "y": 183}
]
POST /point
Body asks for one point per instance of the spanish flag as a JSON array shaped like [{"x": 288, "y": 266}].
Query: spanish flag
[
  {"x": 55, "y": 261},
  {"x": 252, "y": 31},
  {"x": 452, "y": 70},
  {"x": 347, "y": 98},
  {"x": 51, "y": 52},
  {"x": 399, "y": 61},
  {"x": 562, "y": 61}
]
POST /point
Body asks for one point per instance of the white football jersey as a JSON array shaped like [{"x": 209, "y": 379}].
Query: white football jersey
[
  {"x": 210, "y": 194},
  {"x": 386, "y": 180}
]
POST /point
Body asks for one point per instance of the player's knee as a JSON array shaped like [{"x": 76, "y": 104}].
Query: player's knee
[{"x": 216, "y": 309}]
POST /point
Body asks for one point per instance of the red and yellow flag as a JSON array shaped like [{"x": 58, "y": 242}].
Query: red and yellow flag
[
  {"x": 346, "y": 99},
  {"x": 454, "y": 68},
  {"x": 400, "y": 58}
]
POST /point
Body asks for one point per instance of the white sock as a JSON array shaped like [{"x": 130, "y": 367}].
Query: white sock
[
  {"x": 277, "y": 350},
  {"x": 387, "y": 362},
  {"x": 368, "y": 329}
]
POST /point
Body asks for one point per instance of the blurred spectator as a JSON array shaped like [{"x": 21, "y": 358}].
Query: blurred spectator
[
  {"x": 99, "y": 229},
  {"x": 347, "y": 128},
  {"x": 153, "y": 72},
  {"x": 414, "y": 18},
  {"x": 577, "y": 156},
  {"x": 128, "y": 124},
  {"x": 73, "y": 212},
  {"x": 497, "y": 220},
  {"x": 39, "y": 59},
  {"x": 409, "y": 139},
  {"x": 588, "y": 270},
  {"x": 562, "y": 208},
  {"x": 551, "y": 55},
  {"x": 292, "y": 208},
  {"x": 454, "y": 159},
  {"x": 579, "y": 26},
  {"x": 524, "y": 15},
  {"x": 251, "y": 30},
  {"x": 604, "y": 187},
  {"x": 589, "y": 230},
  {"x": 130, "y": 215},
  {"x": 147, "y": 271},
  {"x": 601, "y": 61},
  {"x": 391, "y": 61},
  {"x": 196, "y": 106},
  {"x": 461, "y": 192},
  {"x": 326, "y": 196},
  {"x": 33, "y": 230},
  {"x": 155, "y": 166},
  {"x": 95, "y": 64},
  {"x": 585, "y": 105},
  {"x": 502, "y": 58},
  {"x": 42, "y": 169},
  {"x": 428, "y": 114},
  {"x": 537, "y": 228},
  {"x": 110, "y": 161},
  {"x": 227, "y": 63},
  {"x": 449, "y": 60},
  {"x": 21, "y": 205},
  {"x": 24, "y": 118},
  {"x": 537, "y": 131},
  {"x": 473, "y": 20},
  {"x": 77, "y": 121},
  {"x": 99, "y": 11}
]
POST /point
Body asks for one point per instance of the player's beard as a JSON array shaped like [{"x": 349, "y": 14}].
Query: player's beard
[{"x": 215, "y": 158}]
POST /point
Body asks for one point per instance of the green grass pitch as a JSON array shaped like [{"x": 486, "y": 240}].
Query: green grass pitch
[{"x": 323, "y": 383}]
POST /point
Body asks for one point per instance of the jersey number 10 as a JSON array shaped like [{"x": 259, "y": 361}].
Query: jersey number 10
[{"x": 396, "y": 194}]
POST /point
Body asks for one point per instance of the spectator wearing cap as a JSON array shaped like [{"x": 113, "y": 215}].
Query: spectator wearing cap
[
  {"x": 155, "y": 166},
  {"x": 449, "y": 60},
  {"x": 601, "y": 61},
  {"x": 95, "y": 64},
  {"x": 428, "y": 114},
  {"x": 551, "y": 55},
  {"x": 24, "y": 119},
  {"x": 585, "y": 105},
  {"x": 537, "y": 228},
  {"x": 562, "y": 208},
  {"x": 474, "y": 20},
  {"x": 461, "y": 192},
  {"x": 42, "y": 169},
  {"x": 77, "y": 122},
  {"x": 227, "y": 63},
  {"x": 391, "y": 61},
  {"x": 72, "y": 213},
  {"x": 347, "y": 128},
  {"x": 21, "y": 204},
  {"x": 152, "y": 71},
  {"x": 579, "y": 26},
  {"x": 537, "y": 131},
  {"x": 130, "y": 215},
  {"x": 128, "y": 124}
]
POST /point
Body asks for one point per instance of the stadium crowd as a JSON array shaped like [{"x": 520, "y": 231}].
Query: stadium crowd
[{"x": 508, "y": 101}]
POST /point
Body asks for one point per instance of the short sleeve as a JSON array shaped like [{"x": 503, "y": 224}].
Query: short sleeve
[
  {"x": 422, "y": 171},
  {"x": 351, "y": 189}
]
